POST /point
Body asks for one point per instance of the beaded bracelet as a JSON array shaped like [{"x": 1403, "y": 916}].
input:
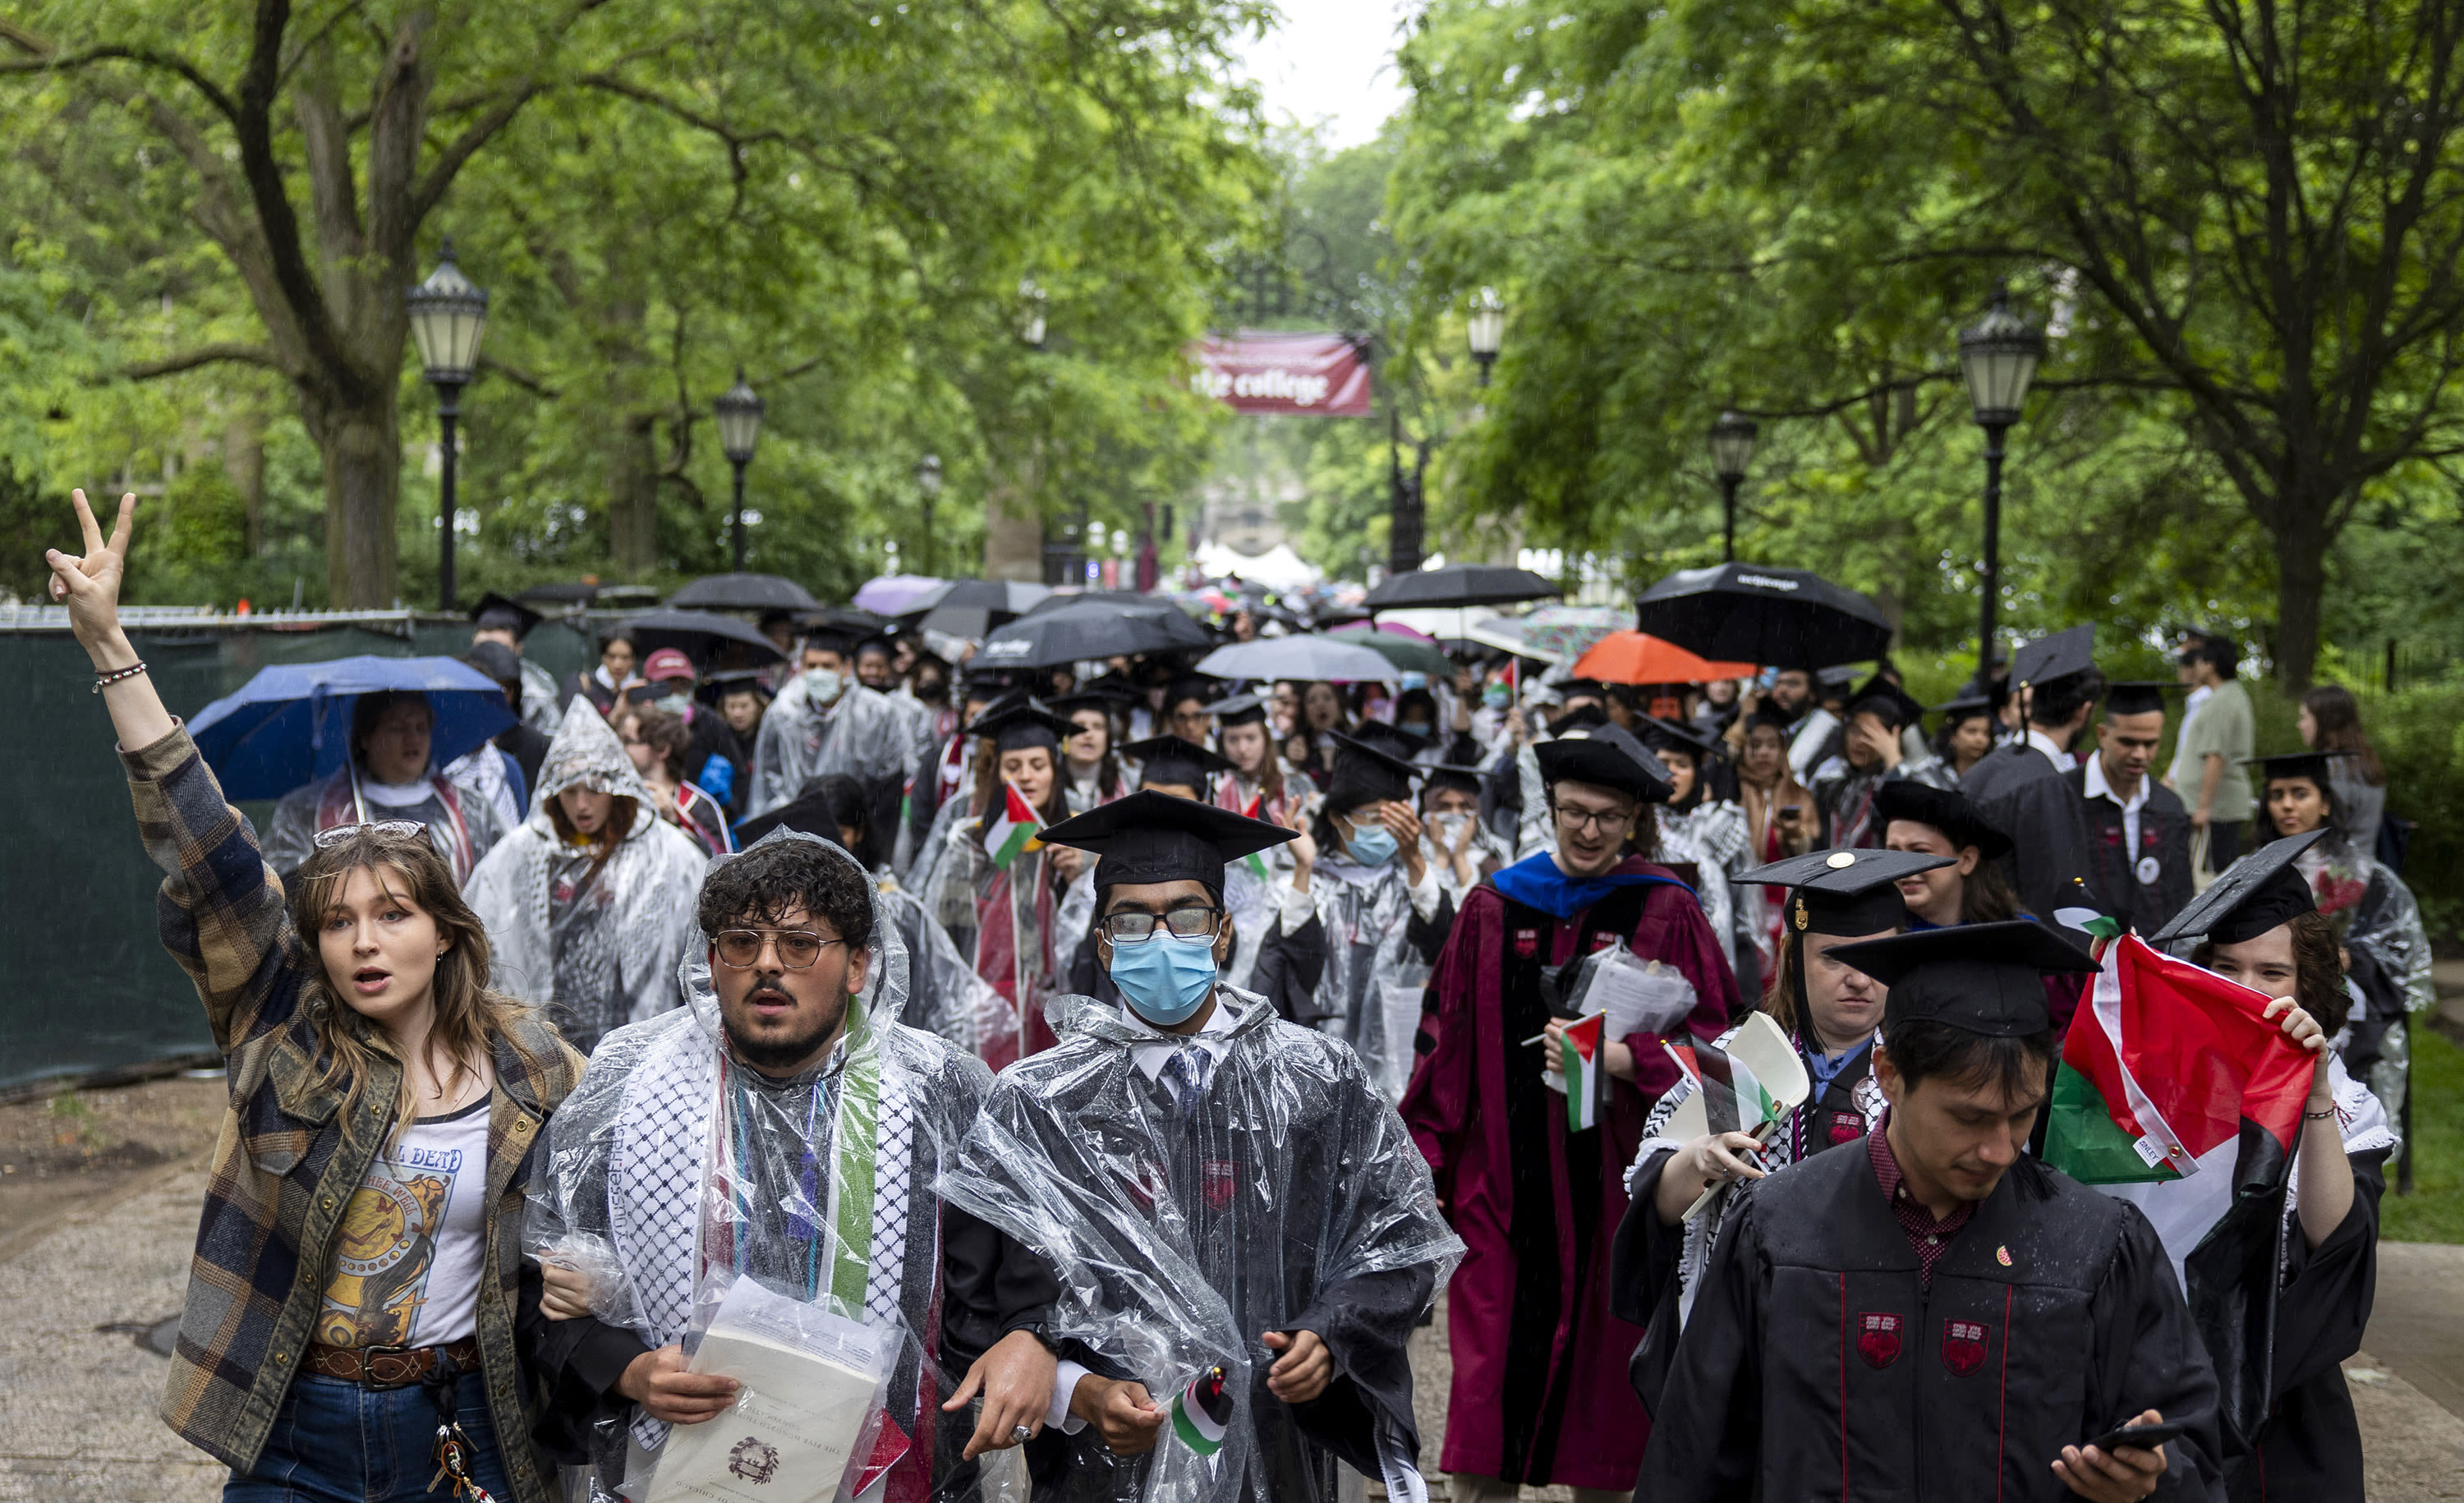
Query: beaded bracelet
[{"x": 118, "y": 673}]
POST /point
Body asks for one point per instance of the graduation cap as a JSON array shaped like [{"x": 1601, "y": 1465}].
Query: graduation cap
[
  {"x": 1987, "y": 979},
  {"x": 1017, "y": 727},
  {"x": 499, "y": 663},
  {"x": 2050, "y": 658},
  {"x": 1844, "y": 891},
  {"x": 1242, "y": 709},
  {"x": 1155, "y": 837},
  {"x": 1667, "y": 736},
  {"x": 1581, "y": 716},
  {"x": 2310, "y": 764},
  {"x": 831, "y": 637},
  {"x": 496, "y": 612},
  {"x": 1969, "y": 704},
  {"x": 718, "y": 686},
  {"x": 1193, "y": 686},
  {"x": 1071, "y": 704},
  {"x": 1945, "y": 809},
  {"x": 1168, "y": 759},
  {"x": 2136, "y": 696},
  {"x": 1365, "y": 773},
  {"x": 1608, "y": 757},
  {"x": 1879, "y": 696},
  {"x": 1392, "y": 740},
  {"x": 1447, "y": 775},
  {"x": 2255, "y": 895},
  {"x": 1834, "y": 681}
]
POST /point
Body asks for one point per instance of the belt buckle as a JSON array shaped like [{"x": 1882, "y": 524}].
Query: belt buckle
[{"x": 368, "y": 1358}]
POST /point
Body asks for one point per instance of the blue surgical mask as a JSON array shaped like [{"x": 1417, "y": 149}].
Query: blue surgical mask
[
  {"x": 1412, "y": 681},
  {"x": 1372, "y": 844},
  {"x": 1417, "y": 730},
  {"x": 1164, "y": 979}
]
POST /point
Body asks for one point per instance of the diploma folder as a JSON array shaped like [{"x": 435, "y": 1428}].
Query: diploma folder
[{"x": 812, "y": 1385}]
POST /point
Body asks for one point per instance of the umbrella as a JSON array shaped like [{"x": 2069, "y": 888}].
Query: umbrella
[
  {"x": 744, "y": 592},
  {"x": 842, "y": 618},
  {"x": 1629, "y": 657},
  {"x": 1306, "y": 658},
  {"x": 573, "y": 594},
  {"x": 1504, "y": 633},
  {"x": 291, "y": 724},
  {"x": 971, "y": 607},
  {"x": 695, "y": 633},
  {"x": 1461, "y": 585},
  {"x": 1410, "y": 653},
  {"x": 1090, "y": 630},
  {"x": 889, "y": 594},
  {"x": 1057, "y": 600},
  {"x": 1566, "y": 633},
  {"x": 1753, "y": 613}
]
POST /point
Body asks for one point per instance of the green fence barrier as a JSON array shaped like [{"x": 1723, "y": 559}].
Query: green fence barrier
[{"x": 85, "y": 984}]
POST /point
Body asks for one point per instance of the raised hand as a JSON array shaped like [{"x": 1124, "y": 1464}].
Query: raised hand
[{"x": 88, "y": 584}]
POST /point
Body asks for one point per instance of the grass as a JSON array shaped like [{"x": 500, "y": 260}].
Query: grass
[{"x": 2434, "y": 1211}]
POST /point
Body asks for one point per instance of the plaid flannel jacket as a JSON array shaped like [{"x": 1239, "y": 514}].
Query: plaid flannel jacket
[{"x": 288, "y": 1157}]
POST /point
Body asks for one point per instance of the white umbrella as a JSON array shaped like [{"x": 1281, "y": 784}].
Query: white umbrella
[{"x": 1304, "y": 658}]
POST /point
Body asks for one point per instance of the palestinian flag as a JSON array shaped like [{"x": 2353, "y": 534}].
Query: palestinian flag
[
  {"x": 2175, "y": 1094},
  {"x": 1578, "y": 1055},
  {"x": 1255, "y": 861},
  {"x": 1203, "y": 1413},
  {"x": 1013, "y": 834},
  {"x": 1734, "y": 1098},
  {"x": 907, "y": 803}
]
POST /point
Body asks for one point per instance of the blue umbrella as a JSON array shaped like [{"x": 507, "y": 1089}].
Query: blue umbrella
[{"x": 291, "y": 724}]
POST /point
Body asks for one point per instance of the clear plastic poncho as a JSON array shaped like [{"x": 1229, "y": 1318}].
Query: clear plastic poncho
[
  {"x": 1714, "y": 836},
  {"x": 1010, "y": 927},
  {"x": 865, "y": 734},
  {"x": 594, "y": 943},
  {"x": 1368, "y": 994},
  {"x": 948, "y": 999},
  {"x": 1289, "y": 1197},
  {"x": 672, "y": 1172},
  {"x": 462, "y": 824},
  {"x": 2379, "y": 923}
]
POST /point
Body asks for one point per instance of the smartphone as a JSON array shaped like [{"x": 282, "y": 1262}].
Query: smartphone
[
  {"x": 1791, "y": 812},
  {"x": 2138, "y": 1437}
]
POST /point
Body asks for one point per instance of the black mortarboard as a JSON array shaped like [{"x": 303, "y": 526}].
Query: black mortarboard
[
  {"x": 1945, "y": 809},
  {"x": 2050, "y": 658},
  {"x": 1193, "y": 686},
  {"x": 1881, "y": 696},
  {"x": 1365, "y": 773},
  {"x": 1155, "y": 837},
  {"x": 718, "y": 686},
  {"x": 1242, "y": 709},
  {"x": 496, "y": 613},
  {"x": 830, "y": 638},
  {"x": 1446, "y": 774},
  {"x": 1987, "y": 979},
  {"x": 1604, "y": 756},
  {"x": 2136, "y": 696},
  {"x": 1833, "y": 680},
  {"x": 1969, "y": 704},
  {"x": 1581, "y": 716},
  {"x": 1168, "y": 759},
  {"x": 1667, "y": 736},
  {"x": 498, "y": 662},
  {"x": 879, "y": 642},
  {"x": 1844, "y": 891},
  {"x": 1071, "y": 704},
  {"x": 2310, "y": 764},
  {"x": 2253, "y": 896},
  {"x": 1017, "y": 727}
]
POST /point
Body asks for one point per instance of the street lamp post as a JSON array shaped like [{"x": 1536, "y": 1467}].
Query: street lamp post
[
  {"x": 1031, "y": 302},
  {"x": 1998, "y": 356},
  {"x": 928, "y": 484},
  {"x": 447, "y": 319},
  {"x": 1732, "y": 449},
  {"x": 739, "y": 426},
  {"x": 1485, "y": 329}
]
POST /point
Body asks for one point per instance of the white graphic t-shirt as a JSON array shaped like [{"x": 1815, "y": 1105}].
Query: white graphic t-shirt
[{"x": 414, "y": 1243}]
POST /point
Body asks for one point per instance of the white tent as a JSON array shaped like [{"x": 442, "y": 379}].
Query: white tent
[{"x": 1278, "y": 568}]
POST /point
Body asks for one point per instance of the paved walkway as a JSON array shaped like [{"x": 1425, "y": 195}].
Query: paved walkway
[{"x": 77, "y": 1402}]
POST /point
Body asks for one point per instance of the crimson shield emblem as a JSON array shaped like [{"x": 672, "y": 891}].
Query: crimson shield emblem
[
  {"x": 1962, "y": 1346},
  {"x": 1217, "y": 1184},
  {"x": 1846, "y": 1127},
  {"x": 1527, "y": 943},
  {"x": 1878, "y": 1339}
]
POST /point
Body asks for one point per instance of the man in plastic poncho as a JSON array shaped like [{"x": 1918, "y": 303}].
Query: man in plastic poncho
[
  {"x": 779, "y": 1129},
  {"x": 826, "y": 721},
  {"x": 589, "y": 902},
  {"x": 1242, "y": 1233}
]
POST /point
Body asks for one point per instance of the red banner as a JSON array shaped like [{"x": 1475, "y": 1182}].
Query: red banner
[{"x": 1306, "y": 375}]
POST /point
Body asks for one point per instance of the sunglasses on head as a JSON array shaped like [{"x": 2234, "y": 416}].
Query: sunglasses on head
[{"x": 390, "y": 828}]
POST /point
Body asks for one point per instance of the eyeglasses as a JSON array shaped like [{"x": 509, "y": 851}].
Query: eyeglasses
[
  {"x": 740, "y": 949},
  {"x": 1184, "y": 924},
  {"x": 1606, "y": 821},
  {"x": 390, "y": 828}
]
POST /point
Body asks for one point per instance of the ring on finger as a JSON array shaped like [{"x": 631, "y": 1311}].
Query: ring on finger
[{"x": 1020, "y": 1433}]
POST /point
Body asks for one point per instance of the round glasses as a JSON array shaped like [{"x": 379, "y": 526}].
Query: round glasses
[
  {"x": 1182, "y": 923},
  {"x": 740, "y": 949}
]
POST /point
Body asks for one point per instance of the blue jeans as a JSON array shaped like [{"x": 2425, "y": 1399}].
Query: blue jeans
[{"x": 336, "y": 1441}]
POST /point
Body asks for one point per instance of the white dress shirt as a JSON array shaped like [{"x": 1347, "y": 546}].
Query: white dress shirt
[
  {"x": 2061, "y": 759},
  {"x": 2096, "y": 786}
]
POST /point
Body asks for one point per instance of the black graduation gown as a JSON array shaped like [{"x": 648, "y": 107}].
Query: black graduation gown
[
  {"x": 2113, "y": 867},
  {"x": 1818, "y": 1364},
  {"x": 2047, "y": 822},
  {"x": 2005, "y": 767},
  {"x": 2310, "y": 1447}
]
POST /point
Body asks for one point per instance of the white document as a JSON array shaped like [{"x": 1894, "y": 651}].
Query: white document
[
  {"x": 1639, "y": 997},
  {"x": 809, "y": 1380}
]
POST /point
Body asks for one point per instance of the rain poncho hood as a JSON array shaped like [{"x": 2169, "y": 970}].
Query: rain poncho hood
[
  {"x": 863, "y": 733},
  {"x": 1289, "y": 1197},
  {"x": 672, "y": 1171},
  {"x": 462, "y": 821},
  {"x": 595, "y": 949}
]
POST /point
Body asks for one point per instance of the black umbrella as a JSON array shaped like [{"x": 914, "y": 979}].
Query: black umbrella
[
  {"x": 842, "y": 618},
  {"x": 1118, "y": 597},
  {"x": 1752, "y": 613},
  {"x": 697, "y": 633},
  {"x": 1460, "y": 584},
  {"x": 970, "y": 607},
  {"x": 1096, "y": 628},
  {"x": 744, "y": 592},
  {"x": 573, "y": 594}
]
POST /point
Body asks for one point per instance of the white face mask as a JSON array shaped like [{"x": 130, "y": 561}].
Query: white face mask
[
  {"x": 824, "y": 685},
  {"x": 1448, "y": 828}
]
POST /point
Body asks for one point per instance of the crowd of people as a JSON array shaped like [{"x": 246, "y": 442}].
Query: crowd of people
[{"x": 1140, "y": 1056}]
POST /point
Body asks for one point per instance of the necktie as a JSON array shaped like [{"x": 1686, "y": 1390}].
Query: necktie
[{"x": 1187, "y": 1072}]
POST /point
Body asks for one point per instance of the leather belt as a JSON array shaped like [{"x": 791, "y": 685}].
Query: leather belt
[{"x": 390, "y": 1366}]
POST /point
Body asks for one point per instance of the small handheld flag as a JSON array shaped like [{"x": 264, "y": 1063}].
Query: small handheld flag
[
  {"x": 1202, "y": 1414},
  {"x": 1256, "y": 863},
  {"x": 1578, "y": 1055},
  {"x": 1014, "y": 834}
]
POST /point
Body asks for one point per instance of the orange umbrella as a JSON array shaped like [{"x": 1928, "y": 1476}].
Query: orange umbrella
[{"x": 1629, "y": 657}]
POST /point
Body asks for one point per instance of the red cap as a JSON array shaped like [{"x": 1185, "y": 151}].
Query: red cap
[{"x": 666, "y": 663}]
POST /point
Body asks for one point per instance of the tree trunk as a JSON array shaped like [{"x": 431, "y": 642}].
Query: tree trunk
[
  {"x": 2302, "y": 546},
  {"x": 1013, "y": 536},
  {"x": 244, "y": 461},
  {"x": 632, "y": 498},
  {"x": 361, "y": 444}
]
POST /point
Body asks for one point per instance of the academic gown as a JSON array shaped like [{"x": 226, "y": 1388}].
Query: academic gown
[
  {"x": 2047, "y": 821},
  {"x": 1818, "y": 1364},
  {"x": 2114, "y": 870},
  {"x": 2006, "y": 766},
  {"x": 1539, "y": 1391}
]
